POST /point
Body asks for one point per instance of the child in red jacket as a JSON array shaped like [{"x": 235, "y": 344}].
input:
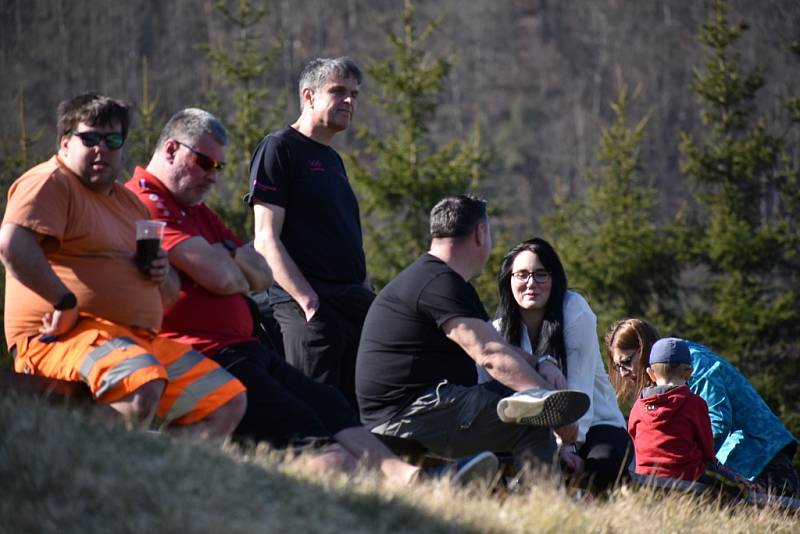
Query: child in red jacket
[{"x": 669, "y": 424}]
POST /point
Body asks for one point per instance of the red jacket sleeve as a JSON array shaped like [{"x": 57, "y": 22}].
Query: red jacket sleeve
[{"x": 633, "y": 419}]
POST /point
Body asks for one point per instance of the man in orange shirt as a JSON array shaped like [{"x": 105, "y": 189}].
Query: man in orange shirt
[{"x": 77, "y": 308}]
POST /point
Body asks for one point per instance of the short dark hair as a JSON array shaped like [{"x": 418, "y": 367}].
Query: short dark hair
[
  {"x": 93, "y": 109},
  {"x": 457, "y": 216}
]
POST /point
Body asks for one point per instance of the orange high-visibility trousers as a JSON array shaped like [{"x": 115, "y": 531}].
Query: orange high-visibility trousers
[{"x": 115, "y": 360}]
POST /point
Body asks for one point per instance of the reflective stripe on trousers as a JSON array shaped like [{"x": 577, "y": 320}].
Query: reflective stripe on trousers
[
  {"x": 119, "y": 372},
  {"x": 183, "y": 364},
  {"x": 100, "y": 352},
  {"x": 195, "y": 392},
  {"x": 124, "y": 369}
]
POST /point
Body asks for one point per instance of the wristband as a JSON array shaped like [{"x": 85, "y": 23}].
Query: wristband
[
  {"x": 547, "y": 358},
  {"x": 67, "y": 302}
]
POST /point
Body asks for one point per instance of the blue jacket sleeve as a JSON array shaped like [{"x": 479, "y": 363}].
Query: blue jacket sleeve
[{"x": 711, "y": 387}]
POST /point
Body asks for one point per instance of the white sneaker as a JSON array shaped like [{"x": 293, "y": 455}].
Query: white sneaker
[{"x": 543, "y": 407}]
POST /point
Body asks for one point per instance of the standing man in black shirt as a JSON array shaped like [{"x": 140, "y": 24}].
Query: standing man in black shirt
[
  {"x": 307, "y": 226},
  {"x": 426, "y": 330}
]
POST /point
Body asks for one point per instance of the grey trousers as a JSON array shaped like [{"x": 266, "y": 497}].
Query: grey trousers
[{"x": 456, "y": 421}]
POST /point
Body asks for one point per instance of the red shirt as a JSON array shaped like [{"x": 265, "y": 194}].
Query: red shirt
[
  {"x": 205, "y": 320},
  {"x": 671, "y": 433}
]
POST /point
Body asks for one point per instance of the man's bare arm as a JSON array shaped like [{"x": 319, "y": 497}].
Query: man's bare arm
[
  {"x": 23, "y": 257},
  {"x": 210, "y": 266},
  {"x": 268, "y": 225},
  {"x": 254, "y": 267},
  {"x": 503, "y": 362}
]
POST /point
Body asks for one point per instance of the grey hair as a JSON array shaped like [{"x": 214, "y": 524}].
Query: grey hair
[
  {"x": 318, "y": 71},
  {"x": 190, "y": 124}
]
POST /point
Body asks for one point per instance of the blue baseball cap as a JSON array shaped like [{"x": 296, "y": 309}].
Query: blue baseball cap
[{"x": 670, "y": 350}]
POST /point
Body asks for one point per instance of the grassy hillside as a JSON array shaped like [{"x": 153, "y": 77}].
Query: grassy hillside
[{"x": 62, "y": 471}]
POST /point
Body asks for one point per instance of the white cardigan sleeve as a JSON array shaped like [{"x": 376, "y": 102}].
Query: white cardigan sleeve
[{"x": 583, "y": 353}]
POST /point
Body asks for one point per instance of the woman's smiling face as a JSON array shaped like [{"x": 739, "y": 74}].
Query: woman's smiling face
[{"x": 529, "y": 294}]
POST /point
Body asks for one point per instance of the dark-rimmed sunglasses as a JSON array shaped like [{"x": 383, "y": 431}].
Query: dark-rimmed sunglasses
[
  {"x": 626, "y": 364},
  {"x": 113, "y": 140},
  {"x": 206, "y": 163}
]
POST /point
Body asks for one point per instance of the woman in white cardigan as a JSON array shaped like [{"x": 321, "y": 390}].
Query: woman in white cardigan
[{"x": 556, "y": 327}]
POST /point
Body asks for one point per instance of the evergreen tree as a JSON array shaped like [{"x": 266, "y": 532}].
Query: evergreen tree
[
  {"x": 14, "y": 160},
  {"x": 245, "y": 105},
  {"x": 144, "y": 132},
  {"x": 612, "y": 250},
  {"x": 407, "y": 172},
  {"x": 748, "y": 240},
  {"x": 778, "y": 364}
]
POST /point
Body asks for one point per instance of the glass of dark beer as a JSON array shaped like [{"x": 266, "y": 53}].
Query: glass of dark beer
[{"x": 148, "y": 240}]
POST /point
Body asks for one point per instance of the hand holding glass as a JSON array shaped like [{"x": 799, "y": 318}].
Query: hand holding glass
[{"x": 148, "y": 240}]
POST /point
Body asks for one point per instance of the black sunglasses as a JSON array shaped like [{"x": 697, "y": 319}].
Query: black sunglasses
[
  {"x": 113, "y": 140},
  {"x": 206, "y": 163}
]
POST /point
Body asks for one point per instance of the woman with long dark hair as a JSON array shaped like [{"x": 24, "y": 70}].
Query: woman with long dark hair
[{"x": 558, "y": 329}]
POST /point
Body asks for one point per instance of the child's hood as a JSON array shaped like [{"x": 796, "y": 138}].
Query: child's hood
[{"x": 661, "y": 403}]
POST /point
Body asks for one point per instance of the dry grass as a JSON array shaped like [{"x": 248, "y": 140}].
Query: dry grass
[{"x": 62, "y": 471}]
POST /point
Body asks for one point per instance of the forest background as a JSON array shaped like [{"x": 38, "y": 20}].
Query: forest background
[{"x": 654, "y": 143}]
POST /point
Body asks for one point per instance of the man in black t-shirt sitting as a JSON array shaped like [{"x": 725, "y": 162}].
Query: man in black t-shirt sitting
[{"x": 424, "y": 333}]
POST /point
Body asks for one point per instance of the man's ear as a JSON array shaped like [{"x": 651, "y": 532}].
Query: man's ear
[
  {"x": 62, "y": 144},
  {"x": 308, "y": 97},
  {"x": 480, "y": 234},
  {"x": 170, "y": 147}
]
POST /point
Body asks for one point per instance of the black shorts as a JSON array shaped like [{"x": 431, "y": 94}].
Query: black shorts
[
  {"x": 456, "y": 421},
  {"x": 284, "y": 407}
]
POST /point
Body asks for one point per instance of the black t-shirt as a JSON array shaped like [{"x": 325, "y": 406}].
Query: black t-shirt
[
  {"x": 322, "y": 229},
  {"x": 403, "y": 350}
]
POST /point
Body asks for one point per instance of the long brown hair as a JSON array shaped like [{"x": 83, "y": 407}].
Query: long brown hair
[{"x": 630, "y": 334}]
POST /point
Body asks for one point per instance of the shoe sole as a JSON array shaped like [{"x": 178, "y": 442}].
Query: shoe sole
[
  {"x": 481, "y": 469},
  {"x": 559, "y": 408}
]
